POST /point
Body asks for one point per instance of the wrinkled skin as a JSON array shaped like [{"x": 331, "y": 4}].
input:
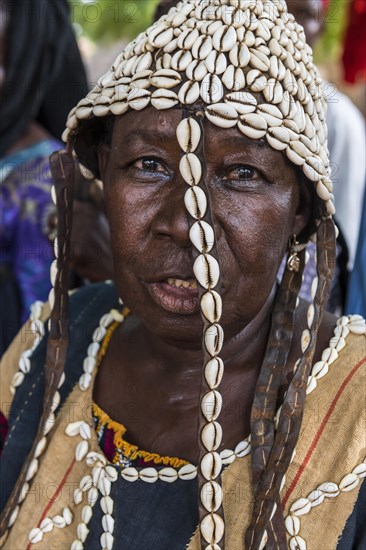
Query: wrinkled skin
[{"x": 154, "y": 361}]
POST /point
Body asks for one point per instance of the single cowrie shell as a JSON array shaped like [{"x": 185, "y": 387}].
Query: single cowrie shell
[
  {"x": 73, "y": 428},
  {"x": 212, "y": 528},
  {"x": 263, "y": 29},
  {"x": 202, "y": 47},
  {"x": 36, "y": 535},
  {"x": 211, "y": 465},
  {"x": 195, "y": 202},
  {"x": 97, "y": 475},
  {"x": 51, "y": 298},
  {"x": 24, "y": 363},
  {"x": 211, "y": 496},
  {"x": 82, "y": 531},
  {"x": 207, "y": 271},
  {"x": 13, "y": 516},
  {"x": 222, "y": 115},
  {"x": 305, "y": 340},
  {"x": 160, "y": 36},
  {"x": 234, "y": 78},
  {"x": 187, "y": 472},
  {"x": 191, "y": 169},
  {"x": 349, "y": 482},
  {"x": 272, "y": 115},
  {"x": 41, "y": 445},
  {"x": 119, "y": 107},
  {"x": 53, "y": 272},
  {"x": 108, "y": 523},
  {"x": 214, "y": 370},
  {"x": 300, "y": 507},
  {"x": 211, "y": 305},
  {"x": 78, "y": 496},
  {"x": 319, "y": 369},
  {"x": 202, "y": 236},
  {"x": 216, "y": 62},
  {"x": 252, "y": 125},
  {"x": 144, "y": 62},
  {"x": 55, "y": 401},
  {"x": 297, "y": 543},
  {"x": 168, "y": 475},
  {"x": 211, "y": 404},
  {"x": 337, "y": 342},
  {"x": 294, "y": 157},
  {"x": 258, "y": 60},
  {"x": 214, "y": 338},
  {"x": 87, "y": 512},
  {"x": 211, "y": 89},
  {"x": 93, "y": 457},
  {"x": 104, "y": 485},
  {"x": 180, "y": 60},
  {"x": 81, "y": 450},
  {"x": 292, "y": 524},
  {"x": 164, "y": 99},
  {"x": 165, "y": 78},
  {"x": 310, "y": 315},
  {"x": 278, "y": 137},
  {"x": 98, "y": 334},
  {"x": 67, "y": 515},
  {"x": 196, "y": 71},
  {"x": 227, "y": 456},
  {"x": 211, "y": 436},
  {"x": 150, "y": 475},
  {"x": 138, "y": 99},
  {"x": 32, "y": 469},
  {"x": 299, "y": 148},
  {"x": 77, "y": 545},
  {"x": 360, "y": 470},
  {"x": 17, "y": 379},
  {"x": 187, "y": 38},
  {"x": 329, "y": 489},
  {"x": 242, "y": 448},
  {"x": 316, "y": 498},
  {"x": 89, "y": 364},
  {"x": 111, "y": 473},
  {"x": 46, "y": 525},
  {"x": 311, "y": 384},
  {"x": 106, "y": 504},
  {"x": 188, "y": 135},
  {"x": 189, "y": 93},
  {"x": 213, "y": 27},
  {"x": 239, "y": 55},
  {"x": 106, "y": 320},
  {"x": 106, "y": 541},
  {"x": 84, "y": 381},
  {"x": 243, "y": 102},
  {"x": 59, "y": 522},
  {"x": 130, "y": 474},
  {"x": 224, "y": 38},
  {"x": 329, "y": 355},
  {"x": 84, "y": 109},
  {"x": 357, "y": 327},
  {"x": 93, "y": 496}
]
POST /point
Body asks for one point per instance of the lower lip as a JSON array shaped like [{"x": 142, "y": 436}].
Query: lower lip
[{"x": 176, "y": 300}]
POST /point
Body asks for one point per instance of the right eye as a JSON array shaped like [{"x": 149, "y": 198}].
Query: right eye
[{"x": 149, "y": 165}]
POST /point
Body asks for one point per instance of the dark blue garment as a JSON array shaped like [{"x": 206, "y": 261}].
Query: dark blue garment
[{"x": 356, "y": 299}]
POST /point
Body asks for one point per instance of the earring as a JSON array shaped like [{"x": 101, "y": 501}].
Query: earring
[{"x": 293, "y": 261}]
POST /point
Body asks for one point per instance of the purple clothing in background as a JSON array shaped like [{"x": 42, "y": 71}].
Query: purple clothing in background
[{"x": 25, "y": 205}]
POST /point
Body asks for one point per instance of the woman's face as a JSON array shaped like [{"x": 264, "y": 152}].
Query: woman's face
[{"x": 254, "y": 197}]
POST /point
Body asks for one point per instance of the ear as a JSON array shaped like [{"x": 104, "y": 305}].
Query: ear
[{"x": 304, "y": 220}]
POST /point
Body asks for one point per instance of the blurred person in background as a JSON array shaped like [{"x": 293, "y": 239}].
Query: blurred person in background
[{"x": 41, "y": 78}]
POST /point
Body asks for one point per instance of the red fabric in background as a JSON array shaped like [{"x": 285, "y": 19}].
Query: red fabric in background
[{"x": 354, "y": 54}]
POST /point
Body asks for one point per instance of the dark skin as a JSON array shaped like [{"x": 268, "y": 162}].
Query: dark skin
[{"x": 152, "y": 370}]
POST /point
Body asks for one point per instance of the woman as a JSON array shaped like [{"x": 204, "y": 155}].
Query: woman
[{"x": 222, "y": 172}]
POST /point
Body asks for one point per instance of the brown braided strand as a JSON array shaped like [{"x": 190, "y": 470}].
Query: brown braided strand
[
  {"x": 293, "y": 406},
  {"x": 62, "y": 167}
]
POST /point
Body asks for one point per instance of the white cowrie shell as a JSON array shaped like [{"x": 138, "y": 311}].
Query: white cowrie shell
[
  {"x": 164, "y": 99},
  {"x": 111, "y": 473},
  {"x": 211, "y": 306},
  {"x": 256, "y": 81},
  {"x": 189, "y": 93},
  {"x": 214, "y": 370},
  {"x": 214, "y": 338},
  {"x": 78, "y": 496},
  {"x": 84, "y": 111},
  {"x": 82, "y": 531},
  {"x": 55, "y": 401},
  {"x": 211, "y": 496},
  {"x": 211, "y": 436},
  {"x": 195, "y": 202},
  {"x": 211, "y": 89},
  {"x": 165, "y": 78},
  {"x": 224, "y": 38},
  {"x": 222, "y": 115},
  {"x": 144, "y": 62},
  {"x": 51, "y": 298},
  {"x": 17, "y": 379},
  {"x": 243, "y": 102},
  {"x": 211, "y": 465},
  {"x": 98, "y": 474},
  {"x": 349, "y": 482},
  {"x": 360, "y": 470},
  {"x": 242, "y": 448},
  {"x": 106, "y": 504},
  {"x": 311, "y": 384},
  {"x": 300, "y": 507},
  {"x": 329, "y": 355},
  {"x": 46, "y": 525},
  {"x": 227, "y": 456},
  {"x": 202, "y": 236},
  {"x": 160, "y": 36},
  {"x": 73, "y": 428},
  {"x": 211, "y": 404},
  {"x": 138, "y": 99},
  {"x": 252, "y": 125},
  {"x": 180, "y": 60},
  {"x": 206, "y": 270},
  {"x": 77, "y": 545},
  {"x": 87, "y": 513},
  {"x": 104, "y": 486},
  {"x": 216, "y": 62},
  {"x": 239, "y": 55},
  {"x": 106, "y": 541},
  {"x": 119, "y": 107},
  {"x": 320, "y": 369},
  {"x": 108, "y": 523},
  {"x": 106, "y": 320},
  {"x": 316, "y": 498},
  {"x": 32, "y": 469},
  {"x": 24, "y": 364},
  {"x": 233, "y": 78},
  {"x": 212, "y": 528},
  {"x": 202, "y": 47},
  {"x": 67, "y": 515},
  {"x": 190, "y": 169},
  {"x": 258, "y": 60},
  {"x": 53, "y": 272},
  {"x": 84, "y": 381},
  {"x": 322, "y": 191},
  {"x": 41, "y": 445},
  {"x": 278, "y": 137},
  {"x": 187, "y": 38},
  {"x": 81, "y": 450},
  {"x": 130, "y": 474},
  {"x": 89, "y": 364},
  {"x": 93, "y": 496},
  {"x": 196, "y": 71},
  {"x": 149, "y": 475},
  {"x": 305, "y": 340},
  {"x": 169, "y": 475},
  {"x": 13, "y": 516},
  {"x": 310, "y": 172},
  {"x": 36, "y": 535},
  {"x": 271, "y": 114},
  {"x": 188, "y": 134},
  {"x": 292, "y": 524},
  {"x": 187, "y": 472},
  {"x": 98, "y": 334},
  {"x": 59, "y": 521}
]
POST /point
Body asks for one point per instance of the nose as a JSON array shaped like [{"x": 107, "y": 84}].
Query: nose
[{"x": 171, "y": 218}]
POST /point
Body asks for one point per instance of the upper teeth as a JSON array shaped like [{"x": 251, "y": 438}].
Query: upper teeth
[{"x": 191, "y": 283}]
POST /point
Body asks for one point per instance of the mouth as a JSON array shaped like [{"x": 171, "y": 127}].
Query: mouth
[{"x": 175, "y": 295}]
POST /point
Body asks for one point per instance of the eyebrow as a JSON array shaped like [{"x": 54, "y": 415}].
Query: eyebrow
[{"x": 147, "y": 135}]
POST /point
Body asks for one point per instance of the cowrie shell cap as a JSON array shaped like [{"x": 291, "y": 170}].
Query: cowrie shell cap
[{"x": 168, "y": 65}]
